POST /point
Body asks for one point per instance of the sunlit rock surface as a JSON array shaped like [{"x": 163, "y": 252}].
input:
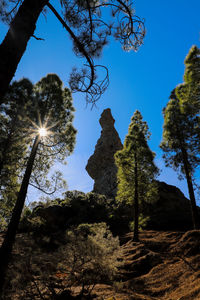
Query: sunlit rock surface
[{"x": 101, "y": 165}]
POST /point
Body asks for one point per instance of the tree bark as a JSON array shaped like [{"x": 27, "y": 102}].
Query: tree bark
[
  {"x": 6, "y": 248},
  {"x": 15, "y": 42},
  {"x": 136, "y": 205},
  {"x": 195, "y": 217}
]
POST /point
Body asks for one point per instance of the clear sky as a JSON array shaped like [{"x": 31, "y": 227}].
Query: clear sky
[{"x": 141, "y": 80}]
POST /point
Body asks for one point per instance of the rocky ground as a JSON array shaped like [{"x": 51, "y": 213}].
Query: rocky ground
[{"x": 163, "y": 265}]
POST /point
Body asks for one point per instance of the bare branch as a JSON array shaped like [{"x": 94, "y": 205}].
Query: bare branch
[
  {"x": 38, "y": 39},
  {"x": 8, "y": 15},
  {"x": 77, "y": 42},
  {"x": 90, "y": 33},
  {"x": 42, "y": 190}
]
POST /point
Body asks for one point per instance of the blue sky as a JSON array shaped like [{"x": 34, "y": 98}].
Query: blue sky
[{"x": 141, "y": 80}]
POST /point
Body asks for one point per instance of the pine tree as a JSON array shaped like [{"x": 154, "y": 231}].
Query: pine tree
[
  {"x": 192, "y": 66},
  {"x": 19, "y": 120},
  {"x": 181, "y": 132},
  {"x": 136, "y": 168},
  {"x": 189, "y": 91},
  {"x": 87, "y": 26},
  {"x": 14, "y": 120},
  {"x": 180, "y": 143},
  {"x": 54, "y": 113}
]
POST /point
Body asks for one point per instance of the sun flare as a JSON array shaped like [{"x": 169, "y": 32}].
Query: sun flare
[{"x": 42, "y": 131}]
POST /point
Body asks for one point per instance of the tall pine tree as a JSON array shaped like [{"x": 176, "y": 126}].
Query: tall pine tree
[
  {"x": 26, "y": 107},
  {"x": 54, "y": 113},
  {"x": 14, "y": 119},
  {"x": 181, "y": 131},
  {"x": 136, "y": 168},
  {"x": 181, "y": 145}
]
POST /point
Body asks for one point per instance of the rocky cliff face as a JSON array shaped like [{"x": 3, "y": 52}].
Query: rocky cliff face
[
  {"x": 171, "y": 211},
  {"x": 101, "y": 165}
]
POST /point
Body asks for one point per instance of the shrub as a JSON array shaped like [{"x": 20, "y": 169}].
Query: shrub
[
  {"x": 92, "y": 254},
  {"x": 89, "y": 254}
]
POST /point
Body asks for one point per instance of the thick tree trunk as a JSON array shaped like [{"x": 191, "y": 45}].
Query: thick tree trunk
[
  {"x": 195, "y": 217},
  {"x": 136, "y": 205},
  {"x": 6, "y": 248},
  {"x": 14, "y": 44}
]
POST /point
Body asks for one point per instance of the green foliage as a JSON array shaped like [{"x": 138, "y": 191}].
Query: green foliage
[
  {"x": 54, "y": 104},
  {"x": 14, "y": 119},
  {"x": 178, "y": 134},
  {"x": 76, "y": 208},
  {"x": 181, "y": 130},
  {"x": 90, "y": 207},
  {"x": 27, "y": 108},
  {"x": 188, "y": 92},
  {"x": 87, "y": 255},
  {"x": 97, "y": 252},
  {"x": 136, "y": 169},
  {"x": 142, "y": 222},
  {"x": 192, "y": 79},
  {"x": 136, "y": 151}
]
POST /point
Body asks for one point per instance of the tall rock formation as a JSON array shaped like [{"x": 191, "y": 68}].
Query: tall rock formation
[{"x": 101, "y": 165}]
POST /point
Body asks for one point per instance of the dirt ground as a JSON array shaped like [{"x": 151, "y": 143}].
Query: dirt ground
[{"x": 162, "y": 266}]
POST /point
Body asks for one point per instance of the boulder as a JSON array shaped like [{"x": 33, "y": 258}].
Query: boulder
[{"x": 101, "y": 165}]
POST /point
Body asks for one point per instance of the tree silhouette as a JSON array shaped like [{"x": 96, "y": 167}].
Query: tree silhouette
[
  {"x": 88, "y": 27},
  {"x": 14, "y": 118},
  {"x": 53, "y": 108}
]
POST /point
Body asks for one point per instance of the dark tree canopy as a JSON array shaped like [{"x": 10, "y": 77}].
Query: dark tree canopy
[
  {"x": 88, "y": 24},
  {"x": 53, "y": 112},
  {"x": 14, "y": 120},
  {"x": 28, "y": 107}
]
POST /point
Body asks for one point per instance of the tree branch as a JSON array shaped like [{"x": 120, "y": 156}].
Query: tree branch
[
  {"x": 40, "y": 189},
  {"x": 78, "y": 44},
  {"x": 38, "y": 39}
]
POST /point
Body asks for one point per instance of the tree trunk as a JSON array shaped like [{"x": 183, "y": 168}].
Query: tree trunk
[
  {"x": 136, "y": 208},
  {"x": 195, "y": 217},
  {"x": 6, "y": 248},
  {"x": 14, "y": 44}
]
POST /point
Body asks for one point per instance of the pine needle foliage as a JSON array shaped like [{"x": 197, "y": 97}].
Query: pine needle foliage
[
  {"x": 189, "y": 91},
  {"x": 53, "y": 111},
  {"x": 28, "y": 107},
  {"x": 136, "y": 168},
  {"x": 179, "y": 134},
  {"x": 181, "y": 130},
  {"x": 89, "y": 24},
  {"x": 14, "y": 115}
]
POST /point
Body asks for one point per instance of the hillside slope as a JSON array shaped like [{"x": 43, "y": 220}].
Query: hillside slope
[{"x": 163, "y": 265}]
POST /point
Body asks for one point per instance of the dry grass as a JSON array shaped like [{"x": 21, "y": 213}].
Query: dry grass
[
  {"x": 172, "y": 265},
  {"x": 162, "y": 266}
]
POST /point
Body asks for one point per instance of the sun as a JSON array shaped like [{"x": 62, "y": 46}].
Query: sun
[{"x": 42, "y": 131}]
